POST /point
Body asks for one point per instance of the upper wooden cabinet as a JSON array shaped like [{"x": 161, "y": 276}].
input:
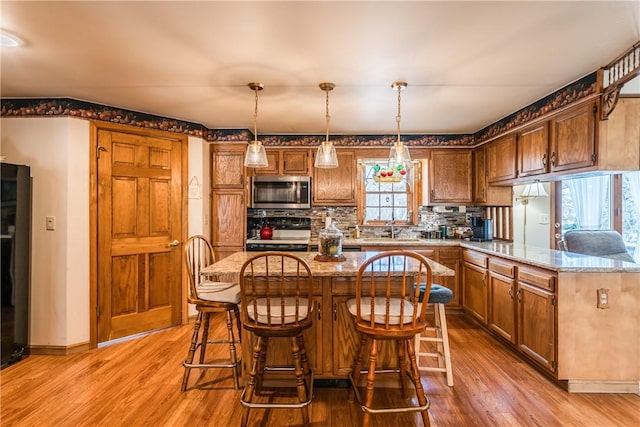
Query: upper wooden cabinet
[
  {"x": 501, "y": 159},
  {"x": 533, "y": 147},
  {"x": 285, "y": 162},
  {"x": 227, "y": 166},
  {"x": 483, "y": 193},
  {"x": 450, "y": 176},
  {"x": 336, "y": 186},
  {"x": 573, "y": 138}
]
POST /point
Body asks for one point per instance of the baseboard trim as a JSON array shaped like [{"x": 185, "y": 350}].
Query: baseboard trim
[
  {"x": 587, "y": 386},
  {"x": 59, "y": 350}
]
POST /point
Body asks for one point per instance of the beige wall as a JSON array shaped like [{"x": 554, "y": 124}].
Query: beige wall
[{"x": 57, "y": 149}]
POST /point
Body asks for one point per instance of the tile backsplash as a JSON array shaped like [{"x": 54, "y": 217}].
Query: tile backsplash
[{"x": 346, "y": 219}]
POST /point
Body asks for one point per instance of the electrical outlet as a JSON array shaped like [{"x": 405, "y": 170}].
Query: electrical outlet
[
  {"x": 603, "y": 298},
  {"x": 51, "y": 223}
]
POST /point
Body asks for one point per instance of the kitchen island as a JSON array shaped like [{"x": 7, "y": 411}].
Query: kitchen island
[
  {"x": 332, "y": 341},
  {"x": 575, "y": 317}
]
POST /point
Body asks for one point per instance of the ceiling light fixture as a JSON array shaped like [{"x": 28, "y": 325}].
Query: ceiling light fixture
[
  {"x": 9, "y": 40},
  {"x": 256, "y": 156},
  {"x": 399, "y": 154},
  {"x": 326, "y": 156}
]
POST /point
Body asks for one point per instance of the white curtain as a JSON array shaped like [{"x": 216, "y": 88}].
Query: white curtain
[
  {"x": 589, "y": 196},
  {"x": 633, "y": 179}
]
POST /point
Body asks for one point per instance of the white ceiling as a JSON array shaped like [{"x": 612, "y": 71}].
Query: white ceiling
[{"x": 467, "y": 64}]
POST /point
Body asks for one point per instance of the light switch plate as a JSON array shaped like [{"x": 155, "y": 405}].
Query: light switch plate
[
  {"x": 544, "y": 219},
  {"x": 51, "y": 223}
]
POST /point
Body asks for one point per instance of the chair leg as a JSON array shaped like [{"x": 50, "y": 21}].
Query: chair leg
[
  {"x": 445, "y": 343},
  {"x": 232, "y": 349},
  {"x": 402, "y": 366},
  {"x": 415, "y": 377},
  {"x": 300, "y": 378},
  {"x": 306, "y": 368},
  {"x": 262, "y": 361},
  {"x": 358, "y": 366},
  {"x": 192, "y": 351},
  {"x": 371, "y": 375},
  {"x": 247, "y": 395},
  {"x": 236, "y": 313},
  {"x": 205, "y": 336}
]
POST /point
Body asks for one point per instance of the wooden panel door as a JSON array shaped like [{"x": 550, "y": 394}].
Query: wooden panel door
[
  {"x": 537, "y": 325},
  {"x": 573, "y": 139},
  {"x": 227, "y": 166},
  {"x": 273, "y": 164},
  {"x": 295, "y": 162},
  {"x": 474, "y": 294},
  {"x": 501, "y": 159},
  {"x": 533, "y": 144},
  {"x": 502, "y": 306},
  {"x": 450, "y": 176},
  {"x": 228, "y": 227},
  {"x": 336, "y": 186},
  {"x": 479, "y": 175},
  {"x": 139, "y": 207}
]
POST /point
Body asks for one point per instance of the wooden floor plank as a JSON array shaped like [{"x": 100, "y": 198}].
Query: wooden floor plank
[{"x": 137, "y": 382}]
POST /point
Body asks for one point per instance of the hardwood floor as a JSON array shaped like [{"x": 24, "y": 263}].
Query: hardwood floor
[{"x": 137, "y": 383}]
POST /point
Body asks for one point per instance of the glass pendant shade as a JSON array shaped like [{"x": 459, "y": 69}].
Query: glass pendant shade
[
  {"x": 399, "y": 154},
  {"x": 256, "y": 156},
  {"x": 326, "y": 156}
]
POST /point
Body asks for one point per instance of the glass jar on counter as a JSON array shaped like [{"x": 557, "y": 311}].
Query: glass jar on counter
[{"x": 330, "y": 241}]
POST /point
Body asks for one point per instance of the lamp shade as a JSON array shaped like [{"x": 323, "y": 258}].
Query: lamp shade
[
  {"x": 534, "y": 190},
  {"x": 256, "y": 156},
  {"x": 326, "y": 156}
]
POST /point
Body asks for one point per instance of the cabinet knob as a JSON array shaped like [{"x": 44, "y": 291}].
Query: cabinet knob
[
  {"x": 553, "y": 159},
  {"x": 544, "y": 160}
]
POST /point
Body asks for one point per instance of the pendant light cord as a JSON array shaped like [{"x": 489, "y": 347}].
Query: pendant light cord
[
  {"x": 255, "y": 118},
  {"x": 398, "y": 116},
  {"x": 327, "y": 116}
]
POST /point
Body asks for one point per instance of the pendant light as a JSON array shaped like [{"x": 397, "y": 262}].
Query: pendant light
[
  {"x": 256, "y": 156},
  {"x": 399, "y": 153},
  {"x": 326, "y": 156}
]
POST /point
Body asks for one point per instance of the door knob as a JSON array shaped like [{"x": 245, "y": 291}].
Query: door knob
[{"x": 173, "y": 244}]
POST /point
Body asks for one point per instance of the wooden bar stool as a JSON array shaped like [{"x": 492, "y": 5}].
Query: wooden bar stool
[
  {"x": 438, "y": 333},
  {"x": 210, "y": 297},
  {"x": 276, "y": 290},
  {"x": 387, "y": 307}
]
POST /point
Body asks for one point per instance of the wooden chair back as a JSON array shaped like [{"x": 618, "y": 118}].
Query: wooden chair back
[
  {"x": 198, "y": 253},
  {"x": 388, "y": 285},
  {"x": 276, "y": 292}
]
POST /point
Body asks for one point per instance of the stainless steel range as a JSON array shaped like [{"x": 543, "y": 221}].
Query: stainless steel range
[{"x": 287, "y": 234}]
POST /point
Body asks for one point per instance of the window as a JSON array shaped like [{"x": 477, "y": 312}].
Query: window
[
  {"x": 604, "y": 203},
  {"x": 387, "y": 198}
]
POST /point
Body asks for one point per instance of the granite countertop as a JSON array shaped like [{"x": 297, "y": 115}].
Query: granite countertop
[
  {"x": 348, "y": 268},
  {"x": 541, "y": 257}
]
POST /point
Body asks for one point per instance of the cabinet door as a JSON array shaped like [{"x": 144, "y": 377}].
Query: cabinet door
[
  {"x": 573, "y": 139},
  {"x": 450, "y": 174},
  {"x": 537, "y": 325},
  {"x": 336, "y": 186},
  {"x": 295, "y": 162},
  {"x": 474, "y": 294},
  {"x": 227, "y": 167},
  {"x": 273, "y": 166},
  {"x": 533, "y": 144},
  {"x": 501, "y": 159},
  {"x": 479, "y": 175},
  {"x": 228, "y": 226},
  {"x": 502, "y": 307}
]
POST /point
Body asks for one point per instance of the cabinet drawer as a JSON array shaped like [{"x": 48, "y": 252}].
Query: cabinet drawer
[
  {"x": 449, "y": 253},
  {"x": 476, "y": 258},
  {"x": 537, "y": 277},
  {"x": 428, "y": 253},
  {"x": 502, "y": 267}
]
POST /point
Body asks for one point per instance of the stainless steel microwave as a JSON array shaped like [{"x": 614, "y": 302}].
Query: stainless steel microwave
[{"x": 281, "y": 192}]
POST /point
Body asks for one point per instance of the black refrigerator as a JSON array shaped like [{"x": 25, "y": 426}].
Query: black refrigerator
[{"x": 15, "y": 253}]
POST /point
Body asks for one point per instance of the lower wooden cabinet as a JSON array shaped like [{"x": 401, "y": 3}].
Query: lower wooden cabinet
[
  {"x": 474, "y": 289},
  {"x": 519, "y": 304},
  {"x": 537, "y": 316},
  {"x": 502, "y": 301}
]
